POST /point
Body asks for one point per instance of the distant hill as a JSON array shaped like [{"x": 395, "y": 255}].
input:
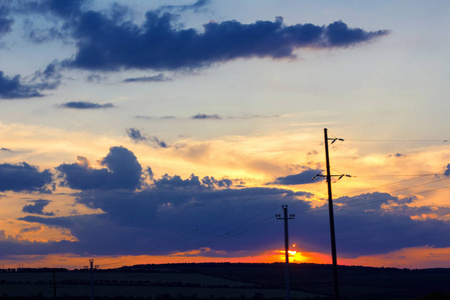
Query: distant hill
[
  {"x": 227, "y": 281},
  {"x": 356, "y": 282}
]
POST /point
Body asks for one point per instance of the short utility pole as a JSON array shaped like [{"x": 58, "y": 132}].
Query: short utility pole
[
  {"x": 286, "y": 246},
  {"x": 91, "y": 271},
  {"x": 91, "y": 262}
]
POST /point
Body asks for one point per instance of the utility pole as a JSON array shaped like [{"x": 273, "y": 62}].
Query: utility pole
[
  {"x": 286, "y": 246},
  {"x": 91, "y": 262},
  {"x": 331, "y": 215}
]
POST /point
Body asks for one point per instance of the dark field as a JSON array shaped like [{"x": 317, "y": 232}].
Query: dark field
[{"x": 226, "y": 281}]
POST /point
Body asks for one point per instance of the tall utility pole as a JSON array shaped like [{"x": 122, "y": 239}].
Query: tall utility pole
[
  {"x": 330, "y": 209},
  {"x": 286, "y": 247}
]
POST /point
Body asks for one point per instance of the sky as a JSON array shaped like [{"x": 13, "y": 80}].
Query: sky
[{"x": 137, "y": 132}]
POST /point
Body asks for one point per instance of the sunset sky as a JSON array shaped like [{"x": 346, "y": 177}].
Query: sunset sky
[{"x": 137, "y": 132}]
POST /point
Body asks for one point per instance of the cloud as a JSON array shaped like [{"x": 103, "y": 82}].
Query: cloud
[
  {"x": 137, "y": 136},
  {"x": 176, "y": 182},
  {"x": 23, "y": 177},
  {"x": 180, "y": 215},
  {"x": 300, "y": 178},
  {"x": 48, "y": 79},
  {"x": 113, "y": 42},
  {"x": 177, "y": 216},
  {"x": 122, "y": 171},
  {"x": 397, "y": 155},
  {"x": 67, "y": 9},
  {"x": 95, "y": 78},
  {"x": 5, "y": 22},
  {"x": 37, "y": 208},
  {"x": 201, "y": 116},
  {"x": 365, "y": 226},
  {"x": 174, "y": 214},
  {"x": 417, "y": 213},
  {"x": 12, "y": 88},
  {"x": 256, "y": 117},
  {"x": 151, "y": 118},
  {"x": 180, "y": 8},
  {"x": 15, "y": 88},
  {"x": 31, "y": 229},
  {"x": 204, "y": 116},
  {"x": 338, "y": 34},
  {"x": 110, "y": 40},
  {"x": 447, "y": 171},
  {"x": 6, "y": 149},
  {"x": 157, "y": 78},
  {"x": 41, "y": 35},
  {"x": 11, "y": 246},
  {"x": 86, "y": 105}
]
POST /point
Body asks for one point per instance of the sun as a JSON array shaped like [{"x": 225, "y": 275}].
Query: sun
[{"x": 294, "y": 255}]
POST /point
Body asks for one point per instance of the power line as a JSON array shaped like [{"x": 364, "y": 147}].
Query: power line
[
  {"x": 394, "y": 140},
  {"x": 417, "y": 185},
  {"x": 383, "y": 185}
]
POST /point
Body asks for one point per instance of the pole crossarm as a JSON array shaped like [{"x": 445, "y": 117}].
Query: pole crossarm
[
  {"x": 331, "y": 175},
  {"x": 285, "y": 217},
  {"x": 334, "y": 140}
]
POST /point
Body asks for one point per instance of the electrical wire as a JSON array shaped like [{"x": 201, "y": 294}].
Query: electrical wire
[{"x": 393, "y": 140}]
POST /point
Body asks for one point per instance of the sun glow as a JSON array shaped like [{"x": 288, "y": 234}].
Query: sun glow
[{"x": 294, "y": 256}]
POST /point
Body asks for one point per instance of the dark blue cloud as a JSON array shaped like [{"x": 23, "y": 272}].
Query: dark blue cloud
[
  {"x": 5, "y": 21},
  {"x": 212, "y": 182},
  {"x": 447, "y": 171},
  {"x": 137, "y": 136},
  {"x": 166, "y": 220},
  {"x": 48, "y": 79},
  {"x": 95, "y": 78},
  {"x": 175, "y": 182},
  {"x": 175, "y": 214},
  {"x": 185, "y": 214},
  {"x": 157, "y": 78},
  {"x": 363, "y": 223},
  {"x": 23, "y": 177},
  {"x": 66, "y": 8},
  {"x": 106, "y": 43},
  {"x": 149, "y": 171},
  {"x": 300, "y": 178},
  {"x": 37, "y": 208},
  {"x": 111, "y": 40},
  {"x": 11, "y": 246},
  {"x": 397, "y": 155},
  {"x": 180, "y": 8},
  {"x": 12, "y": 88},
  {"x": 41, "y": 35},
  {"x": 205, "y": 116},
  {"x": 86, "y": 105},
  {"x": 338, "y": 34},
  {"x": 6, "y": 149},
  {"x": 122, "y": 171},
  {"x": 30, "y": 229}
]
